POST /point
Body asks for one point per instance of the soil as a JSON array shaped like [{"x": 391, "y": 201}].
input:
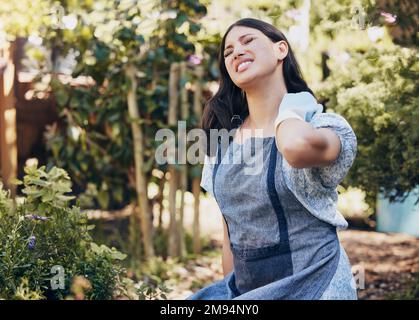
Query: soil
[{"x": 390, "y": 263}]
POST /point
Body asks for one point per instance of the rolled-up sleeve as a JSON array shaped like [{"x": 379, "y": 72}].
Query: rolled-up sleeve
[{"x": 333, "y": 174}]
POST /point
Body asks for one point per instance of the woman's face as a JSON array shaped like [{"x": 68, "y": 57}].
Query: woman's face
[{"x": 250, "y": 55}]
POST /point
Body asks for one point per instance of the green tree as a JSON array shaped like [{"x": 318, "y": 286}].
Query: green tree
[{"x": 377, "y": 94}]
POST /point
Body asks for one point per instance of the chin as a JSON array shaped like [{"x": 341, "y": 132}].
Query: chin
[{"x": 244, "y": 80}]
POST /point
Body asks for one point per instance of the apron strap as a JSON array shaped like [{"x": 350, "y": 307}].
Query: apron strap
[{"x": 276, "y": 204}]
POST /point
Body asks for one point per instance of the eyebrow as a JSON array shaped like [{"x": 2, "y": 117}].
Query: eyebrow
[{"x": 241, "y": 37}]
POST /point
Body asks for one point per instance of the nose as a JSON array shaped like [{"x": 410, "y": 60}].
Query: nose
[
  {"x": 238, "y": 52},
  {"x": 237, "y": 55}
]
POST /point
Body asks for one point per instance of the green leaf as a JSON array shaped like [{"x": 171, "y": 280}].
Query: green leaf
[
  {"x": 65, "y": 198},
  {"x": 95, "y": 248},
  {"x": 118, "y": 255},
  {"x": 16, "y": 181}
]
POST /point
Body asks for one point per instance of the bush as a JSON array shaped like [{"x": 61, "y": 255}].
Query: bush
[
  {"x": 45, "y": 244},
  {"x": 351, "y": 203},
  {"x": 377, "y": 93}
]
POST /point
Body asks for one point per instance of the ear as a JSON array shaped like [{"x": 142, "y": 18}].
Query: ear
[{"x": 281, "y": 49}]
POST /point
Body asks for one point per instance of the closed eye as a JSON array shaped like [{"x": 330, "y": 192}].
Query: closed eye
[{"x": 246, "y": 42}]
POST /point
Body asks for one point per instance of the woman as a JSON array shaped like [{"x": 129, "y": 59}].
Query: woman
[{"x": 280, "y": 239}]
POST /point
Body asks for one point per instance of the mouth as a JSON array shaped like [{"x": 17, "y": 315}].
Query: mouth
[{"x": 244, "y": 65}]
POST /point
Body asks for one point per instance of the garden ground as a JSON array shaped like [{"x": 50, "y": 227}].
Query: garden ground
[{"x": 390, "y": 262}]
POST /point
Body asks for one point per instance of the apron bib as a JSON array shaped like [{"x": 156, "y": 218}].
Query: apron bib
[{"x": 279, "y": 248}]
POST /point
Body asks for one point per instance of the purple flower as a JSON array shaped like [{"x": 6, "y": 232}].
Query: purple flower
[
  {"x": 36, "y": 217},
  {"x": 194, "y": 59},
  {"x": 388, "y": 17},
  {"x": 32, "y": 241}
]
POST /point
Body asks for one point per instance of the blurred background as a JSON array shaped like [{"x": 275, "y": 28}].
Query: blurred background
[{"x": 85, "y": 86}]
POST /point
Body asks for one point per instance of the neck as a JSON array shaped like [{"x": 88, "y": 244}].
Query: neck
[{"x": 263, "y": 102}]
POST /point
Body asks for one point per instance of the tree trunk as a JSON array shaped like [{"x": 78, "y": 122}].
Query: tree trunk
[
  {"x": 196, "y": 188},
  {"x": 184, "y": 167},
  {"x": 173, "y": 246},
  {"x": 134, "y": 237},
  {"x": 159, "y": 200},
  {"x": 8, "y": 133},
  {"x": 140, "y": 180}
]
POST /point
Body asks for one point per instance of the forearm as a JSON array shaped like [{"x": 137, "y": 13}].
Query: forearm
[
  {"x": 227, "y": 260},
  {"x": 227, "y": 255},
  {"x": 304, "y": 146}
]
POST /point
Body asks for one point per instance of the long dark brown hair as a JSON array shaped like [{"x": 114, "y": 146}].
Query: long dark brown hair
[{"x": 229, "y": 100}]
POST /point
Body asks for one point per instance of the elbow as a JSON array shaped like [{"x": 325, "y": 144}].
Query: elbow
[{"x": 293, "y": 152}]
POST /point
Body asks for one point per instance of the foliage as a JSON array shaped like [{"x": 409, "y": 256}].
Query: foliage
[
  {"x": 95, "y": 143},
  {"x": 410, "y": 293},
  {"x": 43, "y": 231},
  {"x": 18, "y": 23},
  {"x": 147, "y": 292},
  {"x": 351, "y": 203},
  {"x": 377, "y": 94}
]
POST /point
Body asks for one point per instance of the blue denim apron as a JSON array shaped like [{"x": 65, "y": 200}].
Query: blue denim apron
[{"x": 280, "y": 250}]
